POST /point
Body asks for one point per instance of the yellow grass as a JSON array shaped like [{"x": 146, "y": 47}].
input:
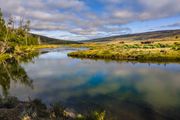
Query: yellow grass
[{"x": 160, "y": 50}]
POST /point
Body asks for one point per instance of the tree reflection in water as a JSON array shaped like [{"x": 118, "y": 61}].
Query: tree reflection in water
[{"x": 11, "y": 71}]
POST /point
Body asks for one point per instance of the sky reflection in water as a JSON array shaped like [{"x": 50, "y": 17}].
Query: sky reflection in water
[{"x": 123, "y": 88}]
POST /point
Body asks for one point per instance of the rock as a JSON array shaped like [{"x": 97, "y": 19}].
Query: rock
[
  {"x": 69, "y": 113},
  {"x": 26, "y": 117}
]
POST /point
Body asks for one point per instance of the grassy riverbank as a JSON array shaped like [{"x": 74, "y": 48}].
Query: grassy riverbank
[
  {"x": 23, "y": 51},
  {"x": 155, "y": 50}
]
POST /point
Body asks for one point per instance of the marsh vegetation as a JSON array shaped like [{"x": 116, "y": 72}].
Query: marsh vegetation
[{"x": 167, "y": 49}]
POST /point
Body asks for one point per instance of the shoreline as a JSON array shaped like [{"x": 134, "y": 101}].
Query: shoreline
[
  {"x": 13, "y": 109},
  {"x": 159, "y": 51},
  {"x": 24, "y": 51}
]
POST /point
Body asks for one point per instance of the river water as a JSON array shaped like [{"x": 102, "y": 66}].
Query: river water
[{"x": 125, "y": 90}]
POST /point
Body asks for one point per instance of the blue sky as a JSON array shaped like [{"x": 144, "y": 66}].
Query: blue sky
[{"x": 88, "y": 19}]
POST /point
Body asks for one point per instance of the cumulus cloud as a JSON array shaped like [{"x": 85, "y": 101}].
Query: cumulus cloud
[{"x": 83, "y": 20}]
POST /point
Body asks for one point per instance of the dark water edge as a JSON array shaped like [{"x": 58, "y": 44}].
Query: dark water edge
[
  {"x": 148, "y": 61},
  {"x": 125, "y": 90}
]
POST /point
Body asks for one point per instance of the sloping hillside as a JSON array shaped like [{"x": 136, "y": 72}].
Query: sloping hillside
[
  {"x": 48, "y": 40},
  {"x": 140, "y": 36}
]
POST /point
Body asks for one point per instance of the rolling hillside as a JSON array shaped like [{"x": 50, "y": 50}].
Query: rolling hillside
[
  {"x": 140, "y": 36},
  {"x": 48, "y": 40}
]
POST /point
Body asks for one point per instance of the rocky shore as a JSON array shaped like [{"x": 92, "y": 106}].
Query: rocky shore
[{"x": 13, "y": 109}]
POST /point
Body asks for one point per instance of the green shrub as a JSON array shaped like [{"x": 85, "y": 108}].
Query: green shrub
[
  {"x": 176, "y": 48},
  {"x": 8, "y": 102}
]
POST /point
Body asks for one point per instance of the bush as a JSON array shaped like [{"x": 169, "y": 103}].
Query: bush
[
  {"x": 176, "y": 48},
  {"x": 97, "y": 116},
  {"x": 176, "y": 43},
  {"x": 148, "y": 47},
  {"x": 162, "y": 45},
  {"x": 8, "y": 102}
]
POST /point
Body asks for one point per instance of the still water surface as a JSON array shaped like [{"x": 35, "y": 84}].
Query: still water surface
[{"x": 130, "y": 91}]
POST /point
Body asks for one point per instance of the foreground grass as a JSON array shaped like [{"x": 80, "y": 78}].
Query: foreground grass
[{"x": 161, "y": 50}]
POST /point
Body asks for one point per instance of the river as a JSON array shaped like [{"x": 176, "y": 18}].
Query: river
[{"x": 125, "y": 90}]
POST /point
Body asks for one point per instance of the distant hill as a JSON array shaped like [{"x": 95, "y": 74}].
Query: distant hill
[
  {"x": 139, "y": 36},
  {"x": 48, "y": 40}
]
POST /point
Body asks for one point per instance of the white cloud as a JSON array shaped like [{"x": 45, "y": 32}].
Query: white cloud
[
  {"x": 123, "y": 14},
  {"x": 77, "y": 18}
]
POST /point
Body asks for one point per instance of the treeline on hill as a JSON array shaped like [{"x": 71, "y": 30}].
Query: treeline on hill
[
  {"x": 11, "y": 34},
  {"x": 48, "y": 40}
]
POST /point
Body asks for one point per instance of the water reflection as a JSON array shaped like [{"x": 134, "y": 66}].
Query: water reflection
[
  {"x": 131, "y": 91},
  {"x": 12, "y": 72}
]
